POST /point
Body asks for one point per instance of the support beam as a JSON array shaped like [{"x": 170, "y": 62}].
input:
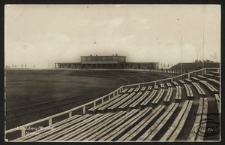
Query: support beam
[
  {"x": 23, "y": 132},
  {"x": 50, "y": 121},
  {"x": 70, "y": 114},
  {"x": 84, "y": 110}
]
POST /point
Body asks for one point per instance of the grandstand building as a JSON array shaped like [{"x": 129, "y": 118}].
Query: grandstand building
[{"x": 107, "y": 62}]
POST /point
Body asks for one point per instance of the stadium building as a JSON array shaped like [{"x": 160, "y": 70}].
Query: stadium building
[{"x": 107, "y": 62}]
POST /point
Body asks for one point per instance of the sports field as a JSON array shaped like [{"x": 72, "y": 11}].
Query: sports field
[{"x": 35, "y": 94}]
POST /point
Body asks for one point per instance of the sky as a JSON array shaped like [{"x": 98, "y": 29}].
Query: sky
[{"x": 41, "y": 35}]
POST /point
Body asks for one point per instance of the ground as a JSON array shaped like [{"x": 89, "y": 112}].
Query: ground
[{"x": 35, "y": 94}]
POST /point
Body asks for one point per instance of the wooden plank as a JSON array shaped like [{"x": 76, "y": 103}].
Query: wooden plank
[
  {"x": 210, "y": 87},
  {"x": 65, "y": 131},
  {"x": 117, "y": 131},
  {"x": 178, "y": 93},
  {"x": 203, "y": 128},
  {"x": 168, "y": 95},
  {"x": 162, "y": 123},
  {"x": 89, "y": 125},
  {"x": 188, "y": 91},
  {"x": 121, "y": 101},
  {"x": 158, "y": 97},
  {"x": 142, "y": 125},
  {"x": 156, "y": 86},
  {"x": 195, "y": 79},
  {"x": 181, "y": 81},
  {"x": 152, "y": 128},
  {"x": 44, "y": 130},
  {"x": 199, "y": 89},
  {"x": 188, "y": 80},
  {"x": 98, "y": 127},
  {"x": 137, "y": 89},
  {"x": 149, "y": 98},
  {"x": 130, "y": 90},
  {"x": 174, "y": 125},
  {"x": 175, "y": 134},
  {"x": 201, "y": 77},
  {"x": 168, "y": 84},
  {"x": 124, "y": 90},
  {"x": 193, "y": 134},
  {"x": 139, "y": 100},
  {"x": 162, "y": 85},
  {"x": 213, "y": 81},
  {"x": 143, "y": 88},
  {"x": 175, "y": 83},
  {"x": 214, "y": 73},
  {"x": 104, "y": 103},
  {"x": 113, "y": 102},
  {"x": 217, "y": 99},
  {"x": 111, "y": 127},
  {"x": 131, "y": 100},
  {"x": 55, "y": 130},
  {"x": 149, "y": 87}
]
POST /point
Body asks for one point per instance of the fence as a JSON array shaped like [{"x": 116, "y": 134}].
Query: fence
[{"x": 102, "y": 99}]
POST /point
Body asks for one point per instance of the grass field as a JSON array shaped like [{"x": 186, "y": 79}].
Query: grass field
[{"x": 35, "y": 94}]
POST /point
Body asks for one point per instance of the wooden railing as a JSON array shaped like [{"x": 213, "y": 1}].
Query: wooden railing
[{"x": 22, "y": 128}]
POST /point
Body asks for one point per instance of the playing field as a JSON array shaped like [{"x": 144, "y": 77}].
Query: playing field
[{"x": 35, "y": 94}]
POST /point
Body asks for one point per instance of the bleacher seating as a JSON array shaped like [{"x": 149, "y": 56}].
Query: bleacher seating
[
  {"x": 168, "y": 84},
  {"x": 125, "y": 90},
  {"x": 158, "y": 97},
  {"x": 154, "y": 129},
  {"x": 167, "y": 98},
  {"x": 209, "y": 87},
  {"x": 217, "y": 99},
  {"x": 144, "y": 113},
  {"x": 188, "y": 91},
  {"x": 198, "y": 88},
  {"x": 201, "y": 116},
  {"x": 178, "y": 123},
  {"x": 130, "y": 90},
  {"x": 178, "y": 96}
]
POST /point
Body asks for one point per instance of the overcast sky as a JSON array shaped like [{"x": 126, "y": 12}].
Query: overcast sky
[{"x": 41, "y": 35}]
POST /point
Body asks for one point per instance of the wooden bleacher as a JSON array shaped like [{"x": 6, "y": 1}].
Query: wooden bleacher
[
  {"x": 198, "y": 88},
  {"x": 201, "y": 116},
  {"x": 178, "y": 123},
  {"x": 158, "y": 97},
  {"x": 138, "y": 114},
  {"x": 169, "y": 93},
  {"x": 154, "y": 129},
  {"x": 189, "y": 92}
]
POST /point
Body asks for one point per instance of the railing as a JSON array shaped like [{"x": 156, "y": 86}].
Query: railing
[
  {"x": 69, "y": 112},
  {"x": 182, "y": 76},
  {"x": 105, "y": 98}
]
